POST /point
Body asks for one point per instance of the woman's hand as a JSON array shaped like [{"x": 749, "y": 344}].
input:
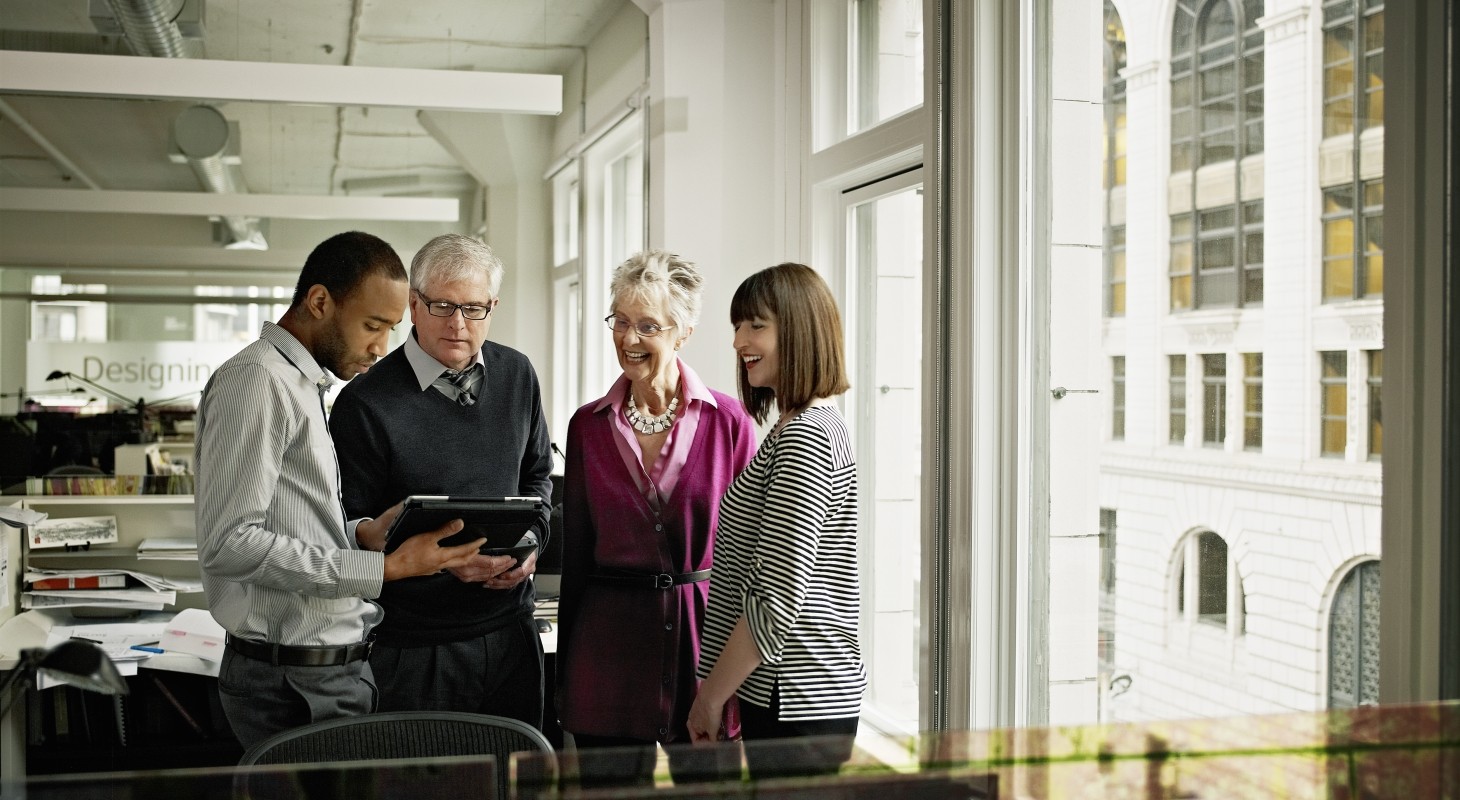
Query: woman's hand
[{"x": 704, "y": 718}]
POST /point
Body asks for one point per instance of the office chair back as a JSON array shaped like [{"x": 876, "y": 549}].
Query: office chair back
[{"x": 415, "y": 734}]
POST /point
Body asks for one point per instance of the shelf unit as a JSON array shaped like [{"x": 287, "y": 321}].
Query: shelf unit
[{"x": 138, "y": 517}]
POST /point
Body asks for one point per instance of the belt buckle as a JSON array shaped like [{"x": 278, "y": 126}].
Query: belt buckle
[{"x": 663, "y": 581}]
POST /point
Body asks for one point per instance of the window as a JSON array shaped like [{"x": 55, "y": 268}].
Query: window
[
  {"x": 1115, "y": 152},
  {"x": 888, "y": 61},
  {"x": 1352, "y": 168},
  {"x": 1376, "y": 419},
  {"x": 1214, "y": 399},
  {"x": 885, "y": 227},
  {"x": 1216, "y": 82},
  {"x": 1178, "y": 398},
  {"x": 1215, "y": 594},
  {"x": 1334, "y": 386},
  {"x": 1117, "y": 394},
  {"x": 1353, "y": 639},
  {"x": 1252, "y": 401},
  {"x": 1353, "y": 55},
  {"x": 1353, "y": 241},
  {"x": 1211, "y": 578},
  {"x": 1217, "y": 97}
]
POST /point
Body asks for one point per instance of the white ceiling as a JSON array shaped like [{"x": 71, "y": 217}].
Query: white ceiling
[{"x": 122, "y": 144}]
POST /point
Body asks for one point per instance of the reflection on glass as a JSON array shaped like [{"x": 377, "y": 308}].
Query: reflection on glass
[
  {"x": 887, "y": 47},
  {"x": 886, "y": 247}
]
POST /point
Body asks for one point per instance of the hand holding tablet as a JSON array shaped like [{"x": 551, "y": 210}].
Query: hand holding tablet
[{"x": 505, "y": 522}]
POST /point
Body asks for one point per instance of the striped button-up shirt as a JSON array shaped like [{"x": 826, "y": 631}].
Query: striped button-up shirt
[{"x": 279, "y": 560}]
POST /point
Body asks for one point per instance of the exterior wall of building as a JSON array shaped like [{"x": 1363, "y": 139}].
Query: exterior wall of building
[{"x": 1294, "y": 521}]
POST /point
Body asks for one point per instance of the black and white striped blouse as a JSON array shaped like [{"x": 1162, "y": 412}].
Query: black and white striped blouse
[{"x": 786, "y": 560}]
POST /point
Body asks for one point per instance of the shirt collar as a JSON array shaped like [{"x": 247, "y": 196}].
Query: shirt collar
[
  {"x": 690, "y": 386},
  {"x": 428, "y": 369},
  {"x": 294, "y": 350}
]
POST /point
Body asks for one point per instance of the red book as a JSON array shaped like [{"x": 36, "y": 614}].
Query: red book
[{"x": 82, "y": 582}]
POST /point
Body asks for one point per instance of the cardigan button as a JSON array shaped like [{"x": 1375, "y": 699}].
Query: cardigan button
[{"x": 658, "y": 527}]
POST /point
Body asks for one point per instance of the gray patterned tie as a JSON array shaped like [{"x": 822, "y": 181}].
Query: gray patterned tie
[{"x": 460, "y": 386}]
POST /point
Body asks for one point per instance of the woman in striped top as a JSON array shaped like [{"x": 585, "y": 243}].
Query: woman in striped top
[{"x": 781, "y": 628}]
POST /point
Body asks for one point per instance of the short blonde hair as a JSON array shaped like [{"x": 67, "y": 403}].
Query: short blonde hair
[
  {"x": 658, "y": 276},
  {"x": 808, "y": 338}
]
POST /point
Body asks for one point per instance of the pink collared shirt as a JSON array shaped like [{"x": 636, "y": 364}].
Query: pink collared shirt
[{"x": 658, "y": 484}]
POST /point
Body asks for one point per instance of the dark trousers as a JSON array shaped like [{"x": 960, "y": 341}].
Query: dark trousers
[
  {"x": 497, "y": 673},
  {"x": 775, "y": 749},
  {"x": 617, "y": 761},
  {"x": 261, "y": 699}
]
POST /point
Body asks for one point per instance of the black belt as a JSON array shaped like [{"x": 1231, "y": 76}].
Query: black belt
[
  {"x": 291, "y": 656},
  {"x": 663, "y": 580}
]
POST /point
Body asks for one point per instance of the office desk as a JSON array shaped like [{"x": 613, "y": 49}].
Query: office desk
[{"x": 30, "y": 629}]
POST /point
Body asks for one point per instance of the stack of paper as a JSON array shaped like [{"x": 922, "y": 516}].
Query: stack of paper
[
  {"x": 109, "y": 588},
  {"x": 168, "y": 549}
]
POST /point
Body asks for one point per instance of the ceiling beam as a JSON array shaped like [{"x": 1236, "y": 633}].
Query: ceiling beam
[
  {"x": 201, "y": 204},
  {"x": 251, "y": 81}
]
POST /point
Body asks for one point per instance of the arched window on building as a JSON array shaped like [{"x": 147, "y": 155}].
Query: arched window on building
[
  {"x": 1353, "y": 639},
  {"x": 1217, "y": 101},
  {"x": 1214, "y": 596},
  {"x": 1351, "y": 159},
  {"x": 1114, "y": 163}
]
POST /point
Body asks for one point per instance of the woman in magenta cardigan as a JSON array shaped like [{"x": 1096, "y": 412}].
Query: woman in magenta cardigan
[{"x": 646, "y": 466}]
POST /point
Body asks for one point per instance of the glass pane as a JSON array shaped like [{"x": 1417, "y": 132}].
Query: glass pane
[
  {"x": 887, "y": 52},
  {"x": 1212, "y": 578},
  {"x": 1338, "y": 43},
  {"x": 1334, "y": 437},
  {"x": 1163, "y": 654},
  {"x": 1375, "y": 113},
  {"x": 1216, "y": 254},
  {"x": 1218, "y": 24},
  {"x": 1181, "y": 293},
  {"x": 1338, "y": 117},
  {"x": 1338, "y": 80},
  {"x": 1218, "y": 81},
  {"x": 1374, "y": 32},
  {"x": 1181, "y": 91},
  {"x": 1218, "y": 148},
  {"x": 1338, "y": 200},
  {"x": 1252, "y": 286},
  {"x": 1338, "y": 279},
  {"x": 887, "y": 247},
  {"x": 1338, "y": 237}
]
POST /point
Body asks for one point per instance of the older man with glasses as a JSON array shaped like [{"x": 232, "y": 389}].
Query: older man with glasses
[{"x": 450, "y": 413}]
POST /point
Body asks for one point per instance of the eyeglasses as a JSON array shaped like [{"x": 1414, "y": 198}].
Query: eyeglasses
[
  {"x": 441, "y": 308},
  {"x": 644, "y": 329}
]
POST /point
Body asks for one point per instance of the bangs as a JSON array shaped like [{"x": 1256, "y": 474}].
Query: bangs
[{"x": 754, "y": 299}]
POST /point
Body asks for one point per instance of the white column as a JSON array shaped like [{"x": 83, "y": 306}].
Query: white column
[
  {"x": 1146, "y": 255},
  {"x": 712, "y": 152},
  {"x": 1290, "y": 272}
]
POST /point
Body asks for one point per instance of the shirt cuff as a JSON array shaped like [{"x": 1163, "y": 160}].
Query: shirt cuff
[{"x": 362, "y": 573}]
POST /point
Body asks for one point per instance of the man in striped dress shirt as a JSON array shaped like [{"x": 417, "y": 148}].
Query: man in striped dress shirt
[{"x": 284, "y": 573}]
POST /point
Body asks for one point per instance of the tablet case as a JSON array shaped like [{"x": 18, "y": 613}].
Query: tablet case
[{"x": 505, "y": 522}]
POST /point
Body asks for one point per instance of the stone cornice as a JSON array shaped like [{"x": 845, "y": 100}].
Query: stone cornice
[
  {"x": 1284, "y": 24},
  {"x": 1139, "y": 76}
]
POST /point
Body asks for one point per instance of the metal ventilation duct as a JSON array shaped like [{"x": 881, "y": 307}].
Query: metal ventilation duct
[
  {"x": 202, "y": 135},
  {"x": 149, "y": 27}
]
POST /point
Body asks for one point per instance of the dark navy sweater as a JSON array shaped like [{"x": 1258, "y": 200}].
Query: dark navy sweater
[{"x": 394, "y": 440}]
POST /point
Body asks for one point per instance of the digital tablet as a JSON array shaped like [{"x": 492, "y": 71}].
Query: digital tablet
[{"x": 505, "y": 522}]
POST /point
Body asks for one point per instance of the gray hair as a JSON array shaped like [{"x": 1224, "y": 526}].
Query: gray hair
[
  {"x": 452, "y": 257},
  {"x": 658, "y": 276}
]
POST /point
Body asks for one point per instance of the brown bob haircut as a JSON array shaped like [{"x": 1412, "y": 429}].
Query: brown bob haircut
[{"x": 808, "y": 338}]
